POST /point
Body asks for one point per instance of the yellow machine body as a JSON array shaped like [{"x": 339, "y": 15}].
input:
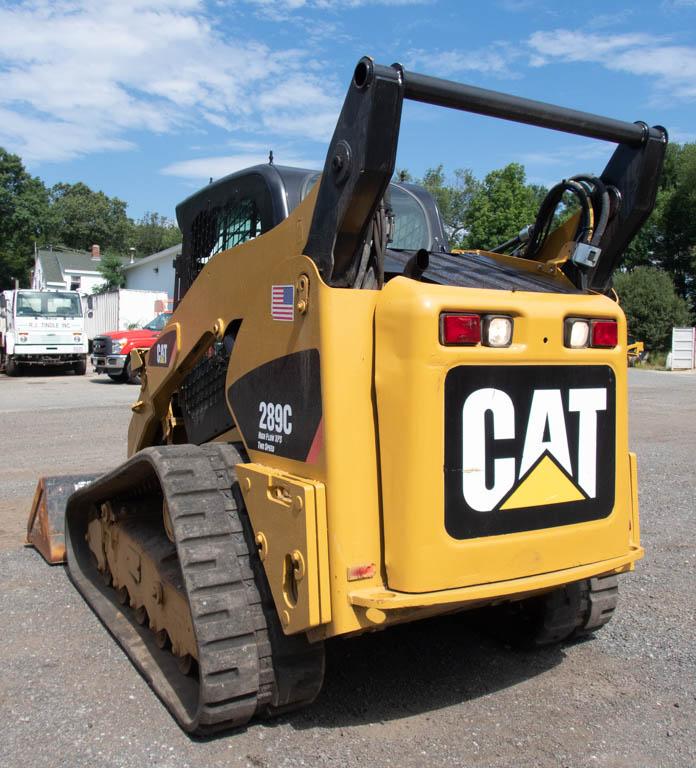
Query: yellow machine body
[{"x": 376, "y": 549}]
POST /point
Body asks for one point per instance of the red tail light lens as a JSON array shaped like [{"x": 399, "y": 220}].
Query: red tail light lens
[
  {"x": 460, "y": 329},
  {"x": 605, "y": 333}
]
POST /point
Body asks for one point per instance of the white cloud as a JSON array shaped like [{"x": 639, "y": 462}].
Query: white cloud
[
  {"x": 217, "y": 167},
  {"x": 58, "y": 140},
  {"x": 588, "y": 151},
  {"x": 494, "y": 60},
  {"x": 76, "y": 76},
  {"x": 680, "y": 135},
  {"x": 670, "y": 68},
  {"x": 295, "y": 5},
  {"x": 313, "y": 27}
]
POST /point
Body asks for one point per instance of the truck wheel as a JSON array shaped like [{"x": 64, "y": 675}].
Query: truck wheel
[
  {"x": 11, "y": 367},
  {"x": 80, "y": 367},
  {"x": 569, "y": 612},
  {"x": 119, "y": 378},
  {"x": 131, "y": 376}
]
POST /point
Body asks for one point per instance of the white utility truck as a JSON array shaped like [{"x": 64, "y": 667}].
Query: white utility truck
[{"x": 42, "y": 328}]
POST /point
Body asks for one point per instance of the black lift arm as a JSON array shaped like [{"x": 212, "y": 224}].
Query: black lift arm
[{"x": 362, "y": 155}]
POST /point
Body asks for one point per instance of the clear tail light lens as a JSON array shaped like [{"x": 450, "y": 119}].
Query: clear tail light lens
[
  {"x": 577, "y": 333},
  {"x": 497, "y": 331}
]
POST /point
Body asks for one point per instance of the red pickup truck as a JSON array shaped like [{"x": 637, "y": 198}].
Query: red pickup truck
[{"x": 111, "y": 351}]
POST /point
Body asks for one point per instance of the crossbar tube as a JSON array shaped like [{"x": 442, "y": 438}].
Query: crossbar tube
[{"x": 468, "y": 98}]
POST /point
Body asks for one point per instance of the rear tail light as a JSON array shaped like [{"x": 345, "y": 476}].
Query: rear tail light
[
  {"x": 460, "y": 329},
  {"x": 467, "y": 329},
  {"x": 605, "y": 333},
  {"x": 583, "y": 332}
]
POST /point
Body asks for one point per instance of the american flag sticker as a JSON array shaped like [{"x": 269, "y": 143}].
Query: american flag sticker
[{"x": 283, "y": 302}]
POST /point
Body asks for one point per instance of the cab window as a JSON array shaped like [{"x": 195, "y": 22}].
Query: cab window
[
  {"x": 411, "y": 228},
  {"x": 236, "y": 223}
]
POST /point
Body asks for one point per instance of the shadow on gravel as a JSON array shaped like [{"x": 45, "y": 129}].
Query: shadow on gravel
[
  {"x": 415, "y": 668},
  {"x": 49, "y": 371},
  {"x": 110, "y": 382}
]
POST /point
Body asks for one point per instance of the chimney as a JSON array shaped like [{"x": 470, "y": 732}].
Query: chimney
[{"x": 96, "y": 256}]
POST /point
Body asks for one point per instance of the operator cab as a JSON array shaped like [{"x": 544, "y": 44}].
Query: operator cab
[
  {"x": 250, "y": 202},
  {"x": 246, "y": 204}
]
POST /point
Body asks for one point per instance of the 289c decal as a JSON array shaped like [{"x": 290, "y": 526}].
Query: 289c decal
[
  {"x": 278, "y": 406},
  {"x": 527, "y": 448},
  {"x": 275, "y": 417}
]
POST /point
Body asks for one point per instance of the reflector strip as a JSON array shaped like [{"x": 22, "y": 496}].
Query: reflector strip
[{"x": 357, "y": 572}]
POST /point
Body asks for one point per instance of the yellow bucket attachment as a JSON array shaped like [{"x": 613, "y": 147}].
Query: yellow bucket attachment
[{"x": 46, "y": 525}]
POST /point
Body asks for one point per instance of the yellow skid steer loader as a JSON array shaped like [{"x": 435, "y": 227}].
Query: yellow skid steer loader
[{"x": 345, "y": 425}]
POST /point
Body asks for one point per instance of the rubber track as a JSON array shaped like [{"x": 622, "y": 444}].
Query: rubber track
[
  {"x": 598, "y": 603},
  {"x": 236, "y": 677},
  {"x": 567, "y": 613}
]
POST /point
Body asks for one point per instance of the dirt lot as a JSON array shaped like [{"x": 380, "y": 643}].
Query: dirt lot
[{"x": 433, "y": 693}]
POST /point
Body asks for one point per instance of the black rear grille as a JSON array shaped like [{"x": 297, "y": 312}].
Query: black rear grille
[
  {"x": 202, "y": 398},
  {"x": 101, "y": 345}
]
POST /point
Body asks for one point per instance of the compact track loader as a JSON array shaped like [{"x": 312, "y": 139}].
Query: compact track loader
[{"x": 345, "y": 426}]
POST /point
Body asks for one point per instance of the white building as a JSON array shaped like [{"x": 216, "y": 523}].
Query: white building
[
  {"x": 58, "y": 268},
  {"x": 153, "y": 273}
]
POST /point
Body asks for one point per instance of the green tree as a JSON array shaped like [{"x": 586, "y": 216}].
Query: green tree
[
  {"x": 652, "y": 306},
  {"x": 23, "y": 218},
  {"x": 111, "y": 269},
  {"x": 403, "y": 174},
  {"x": 668, "y": 238},
  {"x": 676, "y": 245},
  {"x": 502, "y": 205},
  {"x": 81, "y": 217},
  {"x": 453, "y": 198},
  {"x": 153, "y": 233}
]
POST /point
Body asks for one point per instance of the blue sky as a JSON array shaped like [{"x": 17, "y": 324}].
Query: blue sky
[{"x": 147, "y": 99}]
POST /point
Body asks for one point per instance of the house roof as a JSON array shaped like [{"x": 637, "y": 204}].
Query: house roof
[
  {"x": 167, "y": 253},
  {"x": 55, "y": 262},
  {"x": 50, "y": 267}
]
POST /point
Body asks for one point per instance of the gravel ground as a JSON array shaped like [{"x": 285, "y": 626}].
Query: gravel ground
[{"x": 432, "y": 693}]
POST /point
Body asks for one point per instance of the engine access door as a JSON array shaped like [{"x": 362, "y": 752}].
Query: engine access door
[{"x": 497, "y": 463}]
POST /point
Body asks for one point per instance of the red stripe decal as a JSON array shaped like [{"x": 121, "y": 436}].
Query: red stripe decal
[{"x": 317, "y": 444}]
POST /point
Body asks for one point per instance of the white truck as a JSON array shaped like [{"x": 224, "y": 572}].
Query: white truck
[{"x": 42, "y": 328}]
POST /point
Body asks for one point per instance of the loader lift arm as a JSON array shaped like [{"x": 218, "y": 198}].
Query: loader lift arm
[{"x": 361, "y": 159}]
